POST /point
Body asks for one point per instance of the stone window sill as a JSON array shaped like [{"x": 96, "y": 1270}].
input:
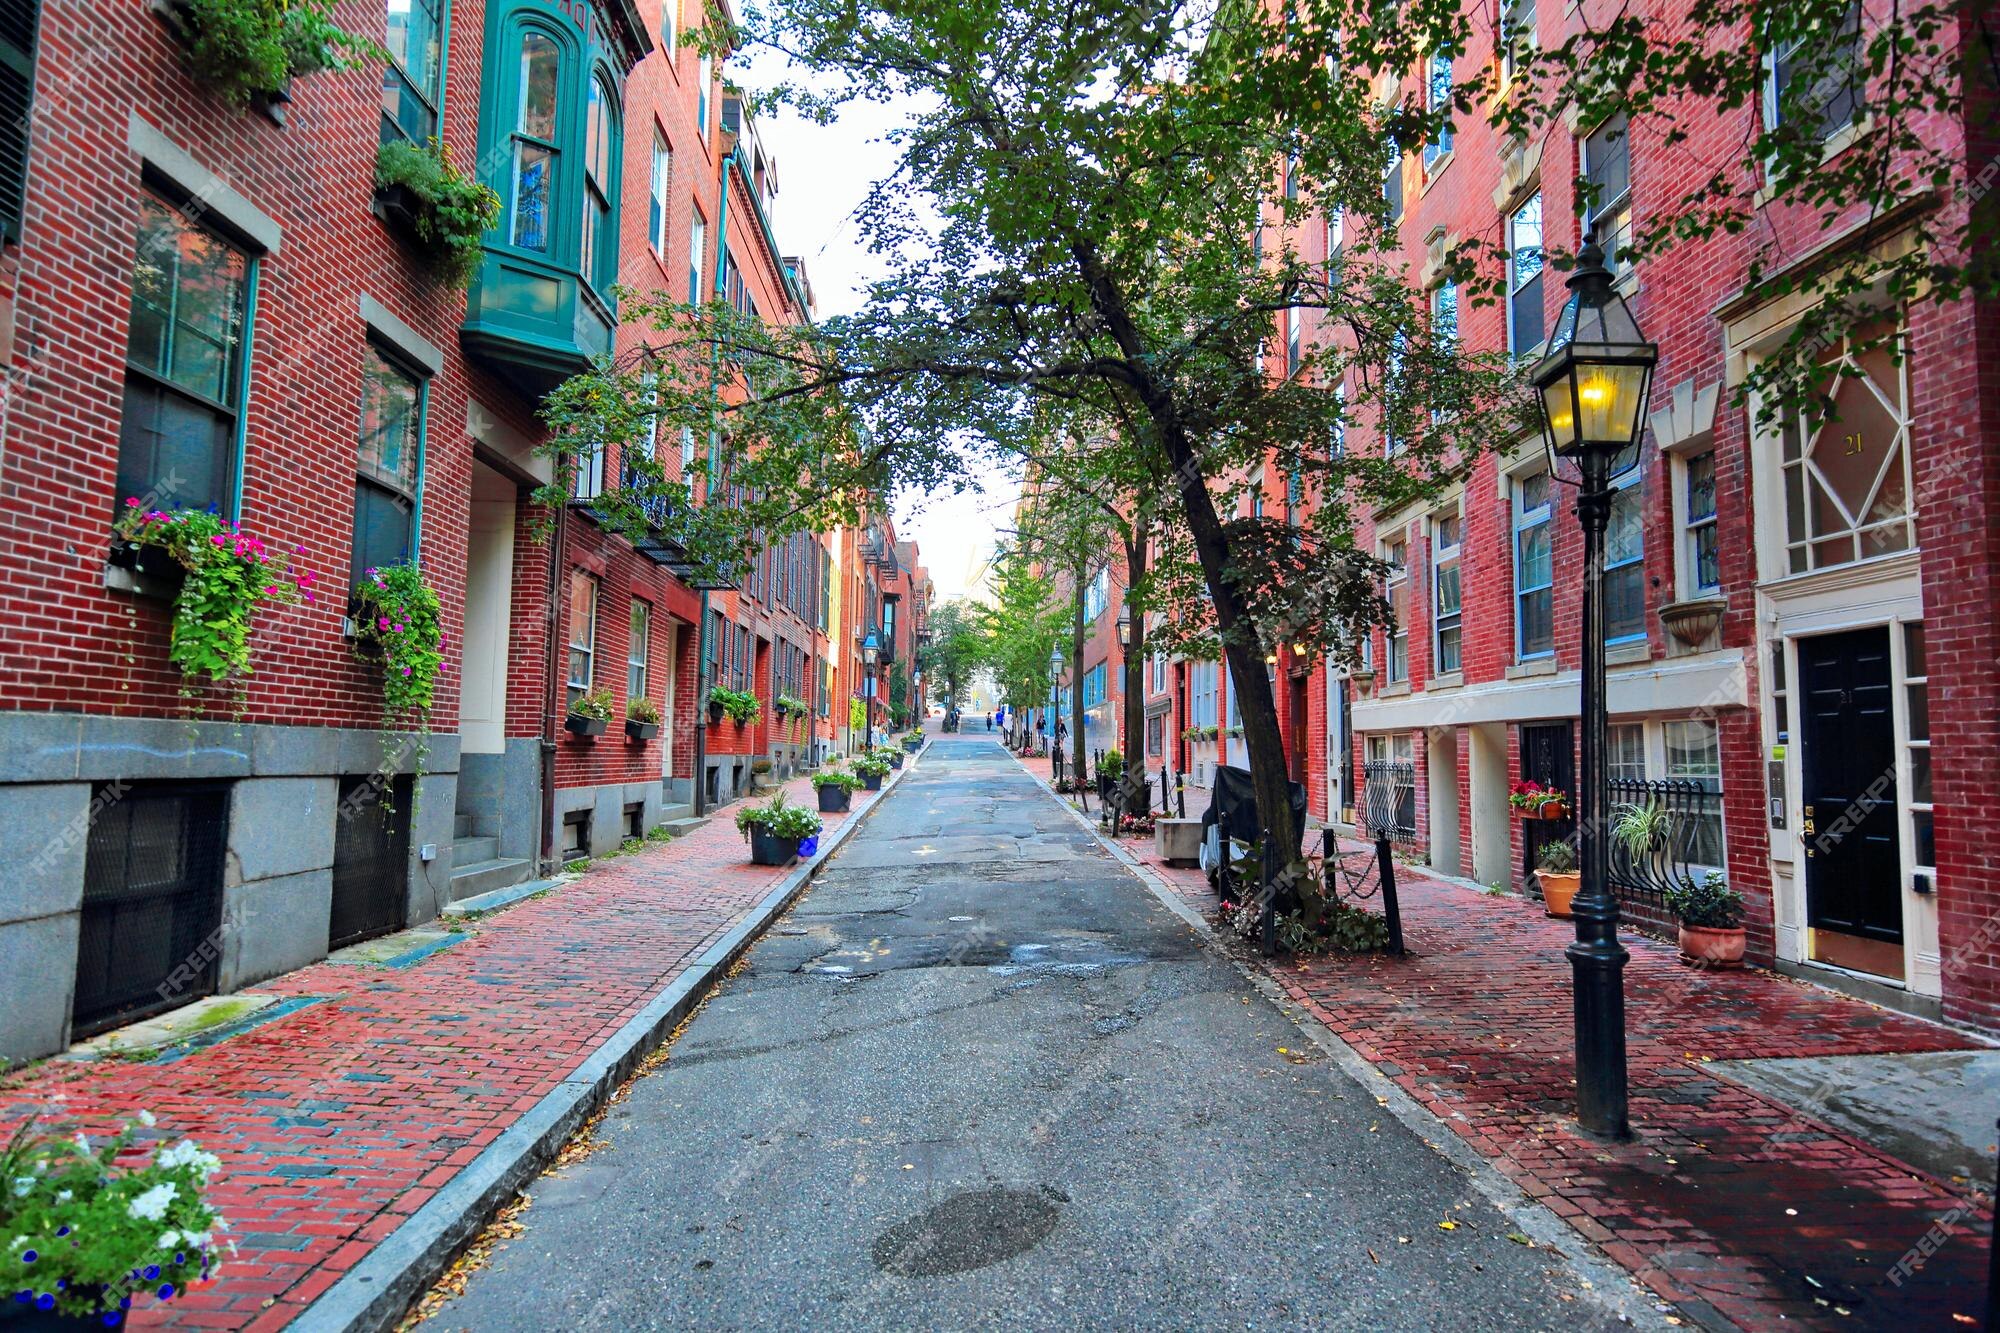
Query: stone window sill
[{"x": 1540, "y": 666}]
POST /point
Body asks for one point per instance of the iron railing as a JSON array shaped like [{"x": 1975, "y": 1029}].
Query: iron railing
[
  {"x": 1389, "y": 800},
  {"x": 1690, "y": 842}
]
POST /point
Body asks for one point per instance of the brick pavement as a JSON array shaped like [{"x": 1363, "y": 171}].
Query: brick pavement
[
  {"x": 1740, "y": 1209},
  {"x": 338, "y": 1120}
]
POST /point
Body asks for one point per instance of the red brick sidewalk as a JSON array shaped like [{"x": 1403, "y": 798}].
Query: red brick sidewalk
[
  {"x": 337, "y": 1121},
  {"x": 1736, "y": 1207}
]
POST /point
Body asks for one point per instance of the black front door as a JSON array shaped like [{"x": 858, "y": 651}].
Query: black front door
[
  {"x": 371, "y": 860},
  {"x": 1853, "y": 861},
  {"x": 1548, "y": 756}
]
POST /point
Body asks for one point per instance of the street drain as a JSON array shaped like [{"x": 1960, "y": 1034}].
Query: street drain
[{"x": 968, "y": 1231}]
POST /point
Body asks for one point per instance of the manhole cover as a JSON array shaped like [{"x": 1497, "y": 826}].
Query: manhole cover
[{"x": 968, "y": 1231}]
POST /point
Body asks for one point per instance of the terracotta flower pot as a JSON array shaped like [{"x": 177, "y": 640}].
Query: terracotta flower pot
[
  {"x": 1558, "y": 890},
  {"x": 1712, "y": 946},
  {"x": 1553, "y": 810}
]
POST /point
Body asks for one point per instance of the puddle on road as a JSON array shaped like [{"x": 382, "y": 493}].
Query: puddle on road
[
  {"x": 968, "y": 1231},
  {"x": 1086, "y": 958}
]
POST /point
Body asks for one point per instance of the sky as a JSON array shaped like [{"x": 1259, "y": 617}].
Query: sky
[{"x": 824, "y": 171}]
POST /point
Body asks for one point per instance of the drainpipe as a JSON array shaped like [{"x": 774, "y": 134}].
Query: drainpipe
[
  {"x": 552, "y": 684},
  {"x": 701, "y": 681}
]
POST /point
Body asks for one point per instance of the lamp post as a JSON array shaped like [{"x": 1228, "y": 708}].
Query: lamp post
[
  {"x": 1593, "y": 384},
  {"x": 1055, "y": 674},
  {"x": 871, "y": 653}
]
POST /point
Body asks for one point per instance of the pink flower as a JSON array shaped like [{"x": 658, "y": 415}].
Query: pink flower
[
  {"x": 406, "y": 671},
  {"x": 131, "y": 502},
  {"x": 271, "y": 591},
  {"x": 381, "y": 622},
  {"x": 216, "y": 540}
]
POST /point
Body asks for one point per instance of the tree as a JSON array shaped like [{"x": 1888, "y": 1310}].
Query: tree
[
  {"x": 957, "y": 649},
  {"x": 1117, "y": 189},
  {"x": 1020, "y": 629}
]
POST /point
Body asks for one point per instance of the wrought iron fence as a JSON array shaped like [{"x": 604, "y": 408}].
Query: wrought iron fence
[
  {"x": 1689, "y": 839},
  {"x": 1389, "y": 800}
]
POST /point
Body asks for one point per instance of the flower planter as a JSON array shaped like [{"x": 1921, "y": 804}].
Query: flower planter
[
  {"x": 714, "y": 714},
  {"x": 1558, "y": 890},
  {"x": 871, "y": 782},
  {"x": 913, "y": 743},
  {"x": 834, "y": 799},
  {"x": 149, "y": 571},
  {"x": 1712, "y": 946},
  {"x": 895, "y": 760},
  {"x": 21, "y": 1317},
  {"x": 768, "y": 849},
  {"x": 400, "y": 207},
  {"x": 584, "y": 726},
  {"x": 1554, "y": 810},
  {"x": 641, "y": 731},
  {"x": 1691, "y": 622}
]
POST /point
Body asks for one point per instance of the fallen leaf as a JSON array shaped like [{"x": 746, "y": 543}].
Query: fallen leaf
[
  {"x": 1520, "y": 1239},
  {"x": 1447, "y": 1225},
  {"x": 1371, "y": 1255}
]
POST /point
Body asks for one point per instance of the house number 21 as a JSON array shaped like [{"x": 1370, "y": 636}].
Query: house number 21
[{"x": 1854, "y": 443}]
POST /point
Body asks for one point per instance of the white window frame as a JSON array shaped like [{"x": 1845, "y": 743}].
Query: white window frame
[
  {"x": 1396, "y": 551},
  {"x": 1614, "y": 238},
  {"x": 1525, "y": 520},
  {"x": 1444, "y": 557},
  {"x": 637, "y": 647},
  {"x": 662, "y": 180},
  {"x": 579, "y": 685},
  {"x": 1515, "y": 285},
  {"x": 1510, "y": 38},
  {"x": 697, "y": 257},
  {"x": 1629, "y": 481},
  {"x": 1438, "y": 147},
  {"x": 1687, "y": 557}
]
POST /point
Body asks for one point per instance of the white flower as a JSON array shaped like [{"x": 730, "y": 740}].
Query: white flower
[
  {"x": 152, "y": 1205},
  {"x": 195, "y": 1239},
  {"x": 170, "y": 1239},
  {"x": 22, "y": 1184},
  {"x": 64, "y": 1196},
  {"x": 83, "y": 1141},
  {"x": 20, "y": 1243},
  {"x": 148, "y": 1119}
]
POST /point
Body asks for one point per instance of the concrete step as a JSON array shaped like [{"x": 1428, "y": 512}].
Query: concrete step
[
  {"x": 477, "y": 877},
  {"x": 683, "y": 826},
  {"x": 671, "y": 812},
  {"x": 471, "y": 850},
  {"x": 487, "y": 902},
  {"x": 461, "y": 825}
]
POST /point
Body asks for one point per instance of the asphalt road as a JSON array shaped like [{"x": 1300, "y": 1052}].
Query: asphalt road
[{"x": 979, "y": 1076}]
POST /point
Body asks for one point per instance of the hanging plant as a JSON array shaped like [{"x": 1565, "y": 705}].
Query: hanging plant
[
  {"x": 741, "y": 705},
  {"x": 791, "y": 706},
  {"x": 446, "y": 212},
  {"x": 245, "y": 49},
  {"x": 397, "y": 622},
  {"x": 230, "y": 577}
]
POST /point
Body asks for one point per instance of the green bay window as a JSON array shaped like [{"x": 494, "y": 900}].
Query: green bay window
[
  {"x": 536, "y": 156},
  {"x": 599, "y": 264},
  {"x": 413, "y": 83},
  {"x": 177, "y": 446},
  {"x": 387, "y": 472}
]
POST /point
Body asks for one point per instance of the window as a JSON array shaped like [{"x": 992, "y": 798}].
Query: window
[
  {"x": 1517, "y": 36},
  {"x": 1916, "y": 703},
  {"x": 1337, "y": 446},
  {"x": 1703, "y": 572},
  {"x": 1400, "y": 750},
  {"x": 1625, "y": 752},
  {"x": 1155, "y": 735},
  {"x": 410, "y": 84},
  {"x": 1336, "y": 233},
  {"x": 1524, "y": 278},
  {"x": 588, "y": 482},
  {"x": 1397, "y": 555},
  {"x": 697, "y": 257},
  {"x": 17, "y": 94},
  {"x": 1446, "y": 596},
  {"x": 1694, "y": 754},
  {"x": 1201, "y": 694},
  {"x": 1392, "y": 181},
  {"x": 1093, "y": 686},
  {"x": 1815, "y": 78},
  {"x": 1097, "y": 596},
  {"x": 670, "y": 13},
  {"x": 582, "y": 633},
  {"x": 1625, "y": 560},
  {"x": 1444, "y": 328},
  {"x": 687, "y": 449},
  {"x": 1294, "y": 321},
  {"x": 535, "y": 152},
  {"x": 703, "y": 87},
  {"x": 1847, "y": 477},
  {"x": 1607, "y": 167},
  {"x": 599, "y": 264},
  {"x": 1437, "y": 101},
  {"x": 1534, "y": 570},
  {"x": 637, "y": 647},
  {"x": 663, "y": 164},
  {"x": 183, "y": 364},
  {"x": 1392, "y": 383},
  {"x": 385, "y": 487}
]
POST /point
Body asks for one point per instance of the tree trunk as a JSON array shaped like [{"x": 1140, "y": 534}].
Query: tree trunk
[{"x": 1077, "y": 771}]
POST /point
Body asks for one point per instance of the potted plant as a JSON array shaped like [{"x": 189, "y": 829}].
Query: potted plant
[
  {"x": 93, "y": 1229},
  {"x": 775, "y": 830},
  {"x": 835, "y": 789},
  {"x": 1110, "y": 769},
  {"x": 1711, "y": 921},
  {"x": 642, "y": 719},
  {"x": 1556, "y": 872},
  {"x": 589, "y": 714},
  {"x": 1535, "y": 801},
  {"x": 914, "y": 741},
  {"x": 872, "y": 768},
  {"x": 891, "y": 755},
  {"x": 741, "y": 705},
  {"x": 446, "y": 213},
  {"x": 1641, "y": 829}
]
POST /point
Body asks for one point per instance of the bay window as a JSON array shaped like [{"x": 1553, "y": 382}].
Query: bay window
[
  {"x": 535, "y": 154},
  {"x": 412, "y": 82}
]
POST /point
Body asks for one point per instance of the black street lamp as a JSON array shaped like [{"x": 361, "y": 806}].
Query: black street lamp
[
  {"x": 871, "y": 653},
  {"x": 1593, "y": 384}
]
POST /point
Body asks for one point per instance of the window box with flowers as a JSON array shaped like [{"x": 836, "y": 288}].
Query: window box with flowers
[
  {"x": 642, "y": 720},
  {"x": 249, "y": 51},
  {"x": 420, "y": 193},
  {"x": 741, "y": 706},
  {"x": 227, "y": 577},
  {"x": 396, "y": 619},
  {"x": 1535, "y": 801},
  {"x": 589, "y": 714}
]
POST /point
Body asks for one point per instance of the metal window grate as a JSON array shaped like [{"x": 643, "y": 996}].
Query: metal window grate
[
  {"x": 1692, "y": 840},
  {"x": 1389, "y": 799},
  {"x": 152, "y": 903},
  {"x": 371, "y": 859}
]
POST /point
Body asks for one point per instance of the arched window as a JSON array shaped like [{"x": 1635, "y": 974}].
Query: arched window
[
  {"x": 599, "y": 262},
  {"x": 536, "y": 151}
]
